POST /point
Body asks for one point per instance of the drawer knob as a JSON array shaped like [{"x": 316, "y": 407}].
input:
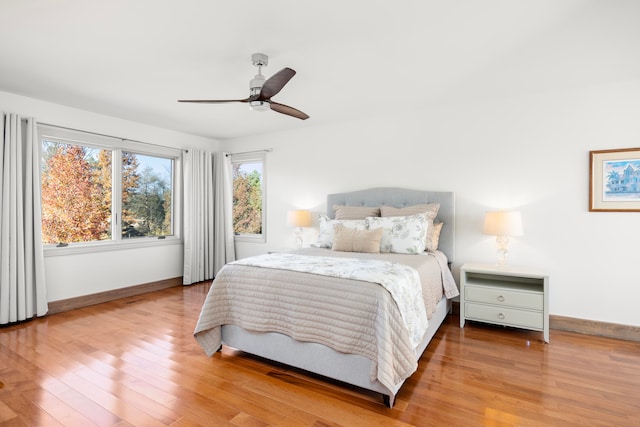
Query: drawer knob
[
  {"x": 501, "y": 316},
  {"x": 501, "y": 298}
]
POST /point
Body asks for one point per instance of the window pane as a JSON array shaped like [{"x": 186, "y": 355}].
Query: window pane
[
  {"x": 76, "y": 193},
  {"x": 247, "y": 197},
  {"x": 147, "y": 183}
]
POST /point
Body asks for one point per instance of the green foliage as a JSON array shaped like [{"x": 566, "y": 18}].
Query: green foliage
[{"x": 147, "y": 203}]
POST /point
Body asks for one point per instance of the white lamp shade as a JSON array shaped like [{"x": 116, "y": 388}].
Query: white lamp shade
[
  {"x": 503, "y": 223},
  {"x": 299, "y": 218}
]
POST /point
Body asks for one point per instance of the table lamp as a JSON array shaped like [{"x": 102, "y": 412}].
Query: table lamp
[
  {"x": 503, "y": 224},
  {"x": 299, "y": 218}
]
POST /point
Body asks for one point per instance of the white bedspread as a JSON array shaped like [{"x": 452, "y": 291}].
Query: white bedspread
[{"x": 402, "y": 281}]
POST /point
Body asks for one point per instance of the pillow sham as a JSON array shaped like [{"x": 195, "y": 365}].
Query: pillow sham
[
  {"x": 354, "y": 240},
  {"x": 401, "y": 234},
  {"x": 430, "y": 209},
  {"x": 355, "y": 212},
  {"x": 327, "y": 232}
]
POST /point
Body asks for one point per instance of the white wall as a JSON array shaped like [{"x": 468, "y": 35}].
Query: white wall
[
  {"x": 529, "y": 152},
  {"x": 77, "y": 275}
]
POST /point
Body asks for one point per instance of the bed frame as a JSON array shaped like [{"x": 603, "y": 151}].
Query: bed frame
[{"x": 319, "y": 359}]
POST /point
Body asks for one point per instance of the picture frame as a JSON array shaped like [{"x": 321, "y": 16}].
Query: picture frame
[{"x": 614, "y": 184}]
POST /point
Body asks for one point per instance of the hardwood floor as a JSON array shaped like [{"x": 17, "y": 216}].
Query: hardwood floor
[{"x": 134, "y": 362}]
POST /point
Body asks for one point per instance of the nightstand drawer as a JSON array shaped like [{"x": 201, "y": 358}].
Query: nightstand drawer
[
  {"x": 504, "y": 297},
  {"x": 504, "y": 316}
]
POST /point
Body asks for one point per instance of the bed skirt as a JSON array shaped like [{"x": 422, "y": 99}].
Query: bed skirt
[{"x": 317, "y": 358}]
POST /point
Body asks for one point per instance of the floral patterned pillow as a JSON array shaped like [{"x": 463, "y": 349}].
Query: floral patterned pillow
[
  {"x": 431, "y": 209},
  {"x": 327, "y": 229},
  {"x": 401, "y": 234}
]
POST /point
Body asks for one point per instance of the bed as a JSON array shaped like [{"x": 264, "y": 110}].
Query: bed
[{"x": 342, "y": 327}]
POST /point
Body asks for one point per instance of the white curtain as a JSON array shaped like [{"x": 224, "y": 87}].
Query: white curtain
[
  {"x": 223, "y": 223},
  {"x": 22, "y": 280},
  {"x": 208, "y": 223}
]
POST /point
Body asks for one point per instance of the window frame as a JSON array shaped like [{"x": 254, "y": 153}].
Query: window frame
[
  {"x": 118, "y": 145},
  {"x": 253, "y": 157}
]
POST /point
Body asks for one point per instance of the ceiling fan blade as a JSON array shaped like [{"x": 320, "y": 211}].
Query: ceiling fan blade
[
  {"x": 290, "y": 111},
  {"x": 213, "y": 101},
  {"x": 275, "y": 83}
]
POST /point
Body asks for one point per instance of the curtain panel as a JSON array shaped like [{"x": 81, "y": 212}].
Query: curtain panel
[
  {"x": 22, "y": 278},
  {"x": 208, "y": 226}
]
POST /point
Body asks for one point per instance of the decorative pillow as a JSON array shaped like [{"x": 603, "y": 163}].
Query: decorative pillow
[
  {"x": 353, "y": 240},
  {"x": 435, "y": 237},
  {"x": 325, "y": 238},
  {"x": 401, "y": 234},
  {"x": 355, "y": 212},
  {"x": 431, "y": 209}
]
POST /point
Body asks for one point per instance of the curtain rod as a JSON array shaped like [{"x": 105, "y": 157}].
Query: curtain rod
[
  {"x": 266, "y": 150},
  {"x": 105, "y": 135}
]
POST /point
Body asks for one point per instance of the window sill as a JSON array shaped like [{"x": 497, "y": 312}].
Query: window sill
[
  {"x": 109, "y": 246},
  {"x": 250, "y": 238}
]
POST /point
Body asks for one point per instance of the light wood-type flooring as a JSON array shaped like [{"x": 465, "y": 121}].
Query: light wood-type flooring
[{"x": 134, "y": 362}]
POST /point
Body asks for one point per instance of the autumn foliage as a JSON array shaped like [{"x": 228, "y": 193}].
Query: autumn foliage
[
  {"x": 247, "y": 201},
  {"x": 77, "y": 199}
]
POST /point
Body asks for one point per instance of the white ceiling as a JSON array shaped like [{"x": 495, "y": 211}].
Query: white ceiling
[{"x": 134, "y": 59}]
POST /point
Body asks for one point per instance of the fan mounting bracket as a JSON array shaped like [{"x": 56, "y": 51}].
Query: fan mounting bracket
[{"x": 260, "y": 59}]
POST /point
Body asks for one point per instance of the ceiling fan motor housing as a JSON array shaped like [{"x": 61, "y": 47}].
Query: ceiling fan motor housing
[{"x": 255, "y": 85}]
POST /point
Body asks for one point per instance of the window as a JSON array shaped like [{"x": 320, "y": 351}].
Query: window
[
  {"x": 97, "y": 188},
  {"x": 249, "y": 196},
  {"x": 146, "y": 195}
]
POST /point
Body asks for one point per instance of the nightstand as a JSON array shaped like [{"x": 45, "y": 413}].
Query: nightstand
[{"x": 505, "y": 295}]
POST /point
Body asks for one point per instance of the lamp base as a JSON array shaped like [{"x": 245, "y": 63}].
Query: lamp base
[
  {"x": 299, "y": 242},
  {"x": 503, "y": 252}
]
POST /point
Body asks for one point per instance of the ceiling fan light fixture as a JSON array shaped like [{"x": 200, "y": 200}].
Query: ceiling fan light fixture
[{"x": 259, "y": 106}]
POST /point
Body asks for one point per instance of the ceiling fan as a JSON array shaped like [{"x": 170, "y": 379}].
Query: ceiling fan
[{"x": 262, "y": 90}]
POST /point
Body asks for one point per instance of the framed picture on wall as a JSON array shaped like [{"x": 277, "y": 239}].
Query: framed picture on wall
[{"x": 614, "y": 184}]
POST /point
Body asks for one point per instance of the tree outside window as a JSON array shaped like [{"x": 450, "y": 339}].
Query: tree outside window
[
  {"x": 76, "y": 193},
  {"x": 146, "y": 199},
  {"x": 248, "y": 197},
  {"x": 78, "y": 202}
]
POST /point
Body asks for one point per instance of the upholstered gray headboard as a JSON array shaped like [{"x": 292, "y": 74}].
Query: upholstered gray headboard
[{"x": 400, "y": 197}]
